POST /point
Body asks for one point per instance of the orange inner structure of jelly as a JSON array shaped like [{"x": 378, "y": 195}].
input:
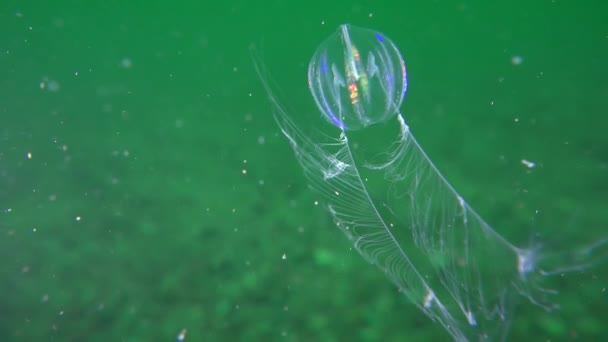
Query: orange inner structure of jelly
[{"x": 354, "y": 78}]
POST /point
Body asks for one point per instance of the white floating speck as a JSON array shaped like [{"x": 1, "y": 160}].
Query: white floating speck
[
  {"x": 182, "y": 335},
  {"x": 517, "y": 60},
  {"x": 528, "y": 164}
]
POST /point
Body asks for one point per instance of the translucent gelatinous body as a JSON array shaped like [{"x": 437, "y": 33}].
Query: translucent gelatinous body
[
  {"x": 357, "y": 78},
  {"x": 399, "y": 212}
]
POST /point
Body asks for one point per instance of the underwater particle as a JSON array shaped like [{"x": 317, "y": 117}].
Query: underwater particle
[
  {"x": 517, "y": 60},
  {"x": 126, "y": 63},
  {"x": 50, "y": 85},
  {"x": 528, "y": 164},
  {"x": 182, "y": 335}
]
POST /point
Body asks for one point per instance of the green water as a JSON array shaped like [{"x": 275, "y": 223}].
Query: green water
[{"x": 145, "y": 190}]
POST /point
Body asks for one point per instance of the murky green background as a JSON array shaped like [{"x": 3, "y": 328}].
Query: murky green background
[{"x": 145, "y": 190}]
